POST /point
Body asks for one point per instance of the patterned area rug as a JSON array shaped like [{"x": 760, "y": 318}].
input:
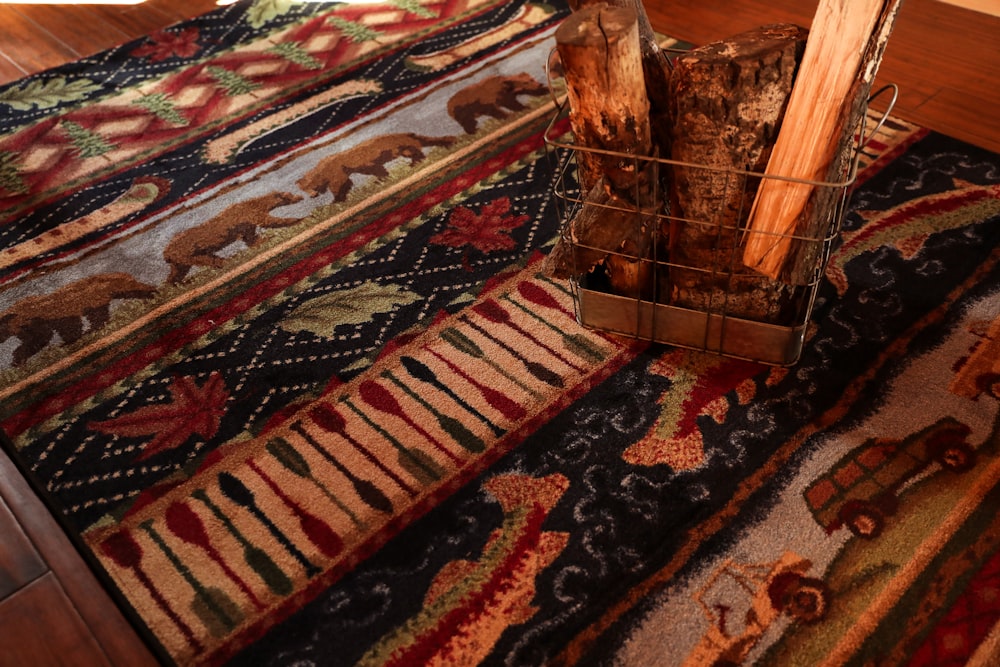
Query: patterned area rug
[{"x": 276, "y": 346}]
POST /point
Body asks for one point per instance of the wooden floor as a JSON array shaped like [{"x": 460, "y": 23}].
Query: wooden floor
[{"x": 944, "y": 59}]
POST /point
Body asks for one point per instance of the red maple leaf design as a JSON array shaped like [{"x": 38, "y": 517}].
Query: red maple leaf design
[
  {"x": 164, "y": 44},
  {"x": 487, "y": 231},
  {"x": 192, "y": 410}
]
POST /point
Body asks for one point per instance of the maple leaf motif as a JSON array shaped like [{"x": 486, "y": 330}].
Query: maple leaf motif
[
  {"x": 163, "y": 45},
  {"x": 192, "y": 410},
  {"x": 487, "y": 231}
]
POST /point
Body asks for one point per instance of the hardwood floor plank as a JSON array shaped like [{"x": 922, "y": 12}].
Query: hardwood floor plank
[
  {"x": 9, "y": 70},
  {"x": 41, "y": 627},
  {"x": 20, "y": 563},
  {"x": 34, "y": 38},
  {"x": 30, "y": 45},
  {"x": 135, "y": 21},
  {"x": 177, "y": 11},
  {"x": 960, "y": 115},
  {"x": 703, "y": 21},
  {"x": 74, "y": 25}
]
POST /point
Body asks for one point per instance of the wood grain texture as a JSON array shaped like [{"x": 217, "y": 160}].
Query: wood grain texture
[
  {"x": 19, "y": 561},
  {"x": 35, "y": 37},
  {"x": 843, "y": 52},
  {"x": 36, "y": 611},
  {"x": 28, "y": 46}
]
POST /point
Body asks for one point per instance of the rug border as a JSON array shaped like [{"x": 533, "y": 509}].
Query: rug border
[{"x": 75, "y": 536}]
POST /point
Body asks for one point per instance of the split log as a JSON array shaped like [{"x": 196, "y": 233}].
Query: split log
[
  {"x": 842, "y": 55},
  {"x": 818, "y": 216},
  {"x": 727, "y": 101}
]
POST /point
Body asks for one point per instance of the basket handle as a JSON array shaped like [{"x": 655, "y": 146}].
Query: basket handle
[
  {"x": 549, "y": 64},
  {"x": 885, "y": 115}
]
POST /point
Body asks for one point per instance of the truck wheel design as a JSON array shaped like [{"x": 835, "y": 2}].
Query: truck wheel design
[
  {"x": 803, "y": 598},
  {"x": 863, "y": 520},
  {"x": 771, "y": 588},
  {"x": 989, "y": 383},
  {"x": 958, "y": 457},
  {"x": 810, "y": 600},
  {"x": 861, "y": 490}
]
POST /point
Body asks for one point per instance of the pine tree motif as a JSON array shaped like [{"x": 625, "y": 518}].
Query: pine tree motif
[
  {"x": 293, "y": 52},
  {"x": 414, "y": 7},
  {"x": 10, "y": 176},
  {"x": 355, "y": 32},
  {"x": 88, "y": 144},
  {"x": 233, "y": 83},
  {"x": 160, "y": 106}
]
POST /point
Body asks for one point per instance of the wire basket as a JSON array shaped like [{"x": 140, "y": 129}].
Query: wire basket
[{"x": 685, "y": 283}]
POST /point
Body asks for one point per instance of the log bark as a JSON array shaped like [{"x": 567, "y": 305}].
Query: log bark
[
  {"x": 602, "y": 63},
  {"x": 842, "y": 56},
  {"x": 727, "y": 101},
  {"x": 656, "y": 70}
]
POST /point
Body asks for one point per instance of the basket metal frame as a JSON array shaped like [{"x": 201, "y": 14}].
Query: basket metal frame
[{"x": 714, "y": 327}]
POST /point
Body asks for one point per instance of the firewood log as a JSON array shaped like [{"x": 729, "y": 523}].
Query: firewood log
[
  {"x": 602, "y": 63},
  {"x": 727, "y": 101},
  {"x": 601, "y": 57},
  {"x": 817, "y": 218},
  {"x": 842, "y": 55},
  {"x": 656, "y": 69}
]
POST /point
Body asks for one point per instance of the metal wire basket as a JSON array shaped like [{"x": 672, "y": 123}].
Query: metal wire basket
[{"x": 704, "y": 298}]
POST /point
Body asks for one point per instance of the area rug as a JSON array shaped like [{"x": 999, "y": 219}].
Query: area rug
[{"x": 277, "y": 349}]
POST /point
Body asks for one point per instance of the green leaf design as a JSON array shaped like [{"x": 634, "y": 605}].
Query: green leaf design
[
  {"x": 262, "y": 11},
  {"x": 233, "y": 83},
  {"x": 355, "y": 32},
  {"x": 88, "y": 144},
  {"x": 293, "y": 52},
  {"x": 47, "y": 94},
  {"x": 356, "y": 305},
  {"x": 160, "y": 105}
]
